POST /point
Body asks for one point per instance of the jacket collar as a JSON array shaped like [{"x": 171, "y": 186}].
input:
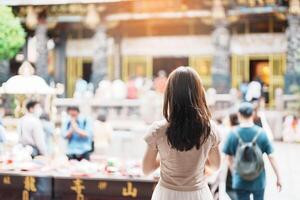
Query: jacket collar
[{"x": 246, "y": 124}]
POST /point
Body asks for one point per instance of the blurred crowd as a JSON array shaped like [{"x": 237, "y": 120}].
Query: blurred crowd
[
  {"x": 36, "y": 130},
  {"x": 134, "y": 88}
]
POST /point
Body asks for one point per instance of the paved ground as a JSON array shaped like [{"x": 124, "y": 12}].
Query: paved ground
[{"x": 288, "y": 158}]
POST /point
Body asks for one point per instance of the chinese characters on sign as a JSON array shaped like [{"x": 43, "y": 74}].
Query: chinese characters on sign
[
  {"x": 6, "y": 180},
  {"x": 102, "y": 185},
  {"x": 129, "y": 191},
  {"x": 29, "y": 186},
  {"x": 78, "y": 187}
]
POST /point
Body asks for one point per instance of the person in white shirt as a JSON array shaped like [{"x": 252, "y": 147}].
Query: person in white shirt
[
  {"x": 119, "y": 89},
  {"x": 31, "y": 131},
  {"x": 103, "y": 132},
  {"x": 3, "y": 133},
  {"x": 254, "y": 91}
]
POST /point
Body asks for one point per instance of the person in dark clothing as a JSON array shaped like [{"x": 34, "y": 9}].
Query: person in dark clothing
[{"x": 234, "y": 122}]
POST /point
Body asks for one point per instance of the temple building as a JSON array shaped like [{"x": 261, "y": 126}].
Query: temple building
[{"x": 227, "y": 42}]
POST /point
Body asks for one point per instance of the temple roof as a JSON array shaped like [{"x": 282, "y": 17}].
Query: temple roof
[{"x": 54, "y": 2}]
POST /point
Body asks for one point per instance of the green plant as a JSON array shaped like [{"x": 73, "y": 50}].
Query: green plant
[{"x": 12, "y": 35}]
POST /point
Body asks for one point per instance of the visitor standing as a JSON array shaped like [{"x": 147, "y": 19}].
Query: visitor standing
[
  {"x": 160, "y": 82},
  {"x": 244, "y": 89},
  {"x": 103, "y": 132},
  {"x": 244, "y": 148},
  {"x": 254, "y": 90},
  {"x": 31, "y": 129},
  {"x": 77, "y": 130},
  {"x": 184, "y": 142}
]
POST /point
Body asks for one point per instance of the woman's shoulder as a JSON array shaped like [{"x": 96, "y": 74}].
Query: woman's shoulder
[
  {"x": 158, "y": 128},
  {"x": 155, "y": 132},
  {"x": 160, "y": 123}
]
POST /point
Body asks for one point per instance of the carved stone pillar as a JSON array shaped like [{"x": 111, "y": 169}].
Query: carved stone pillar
[
  {"x": 292, "y": 75},
  {"x": 42, "y": 51},
  {"x": 99, "y": 66},
  {"x": 60, "y": 64},
  {"x": 221, "y": 57},
  {"x": 117, "y": 58}
]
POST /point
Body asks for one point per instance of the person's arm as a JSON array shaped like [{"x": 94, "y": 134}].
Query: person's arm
[
  {"x": 82, "y": 132},
  {"x": 230, "y": 162},
  {"x": 151, "y": 161},
  {"x": 39, "y": 138},
  {"x": 67, "y": 132},
  {"x": 222, "y": 179},
  {"x": 229, "y": 149},
  {"x": 276, "y": 171},
  {"x": 214, "y": 158}
]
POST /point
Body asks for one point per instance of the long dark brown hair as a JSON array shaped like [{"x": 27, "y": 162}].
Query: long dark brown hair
[{"x": 186, "y": 110}]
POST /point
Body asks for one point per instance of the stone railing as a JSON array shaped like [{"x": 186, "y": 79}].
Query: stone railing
[
  {"x": 139, "y": 108},
  {"x": 286, "y": 102}
]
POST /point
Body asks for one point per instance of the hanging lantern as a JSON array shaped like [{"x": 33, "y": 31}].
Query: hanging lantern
[
  {"x": 31, "y": 18},
  {"x": 92, "y": 19}
]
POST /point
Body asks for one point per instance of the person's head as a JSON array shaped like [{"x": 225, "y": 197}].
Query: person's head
[
  {"x": 162, "y": 73},
  {"x": 102, "y": 117},
  {"x": 73, "y": 111},
  {"x": 186, "y": 110},
  {"x": 257, "y": 79},
  {"x": 34, "y": 107},
  {"x": 233, "y": 119},
  {"x": 295, "y": 118},
  {"x": 246, "y": 111},
  {"x": 45, "y": 116}
]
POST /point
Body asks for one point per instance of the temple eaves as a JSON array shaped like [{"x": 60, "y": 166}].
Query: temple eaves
[{"x": 54, "y": 2}]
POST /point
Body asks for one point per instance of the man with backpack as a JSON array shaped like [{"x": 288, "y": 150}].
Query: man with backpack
[
  {"x": 244, "y": 148},
  {"x": 78, "y": 132}
]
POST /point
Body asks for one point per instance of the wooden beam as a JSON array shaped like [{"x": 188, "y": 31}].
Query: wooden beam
[{"x": 159, "y": 15}]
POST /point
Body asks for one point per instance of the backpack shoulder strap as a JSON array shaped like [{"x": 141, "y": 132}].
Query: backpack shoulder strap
[
  {"x": 236, "y": 133},
  {"x": 68, "y": 125},
  {"x": 259, "y": 131},
  {"x": 84, "y": 123}
]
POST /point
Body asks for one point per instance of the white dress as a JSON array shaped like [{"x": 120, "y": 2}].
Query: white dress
[{"x": 162, "y": 193}]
